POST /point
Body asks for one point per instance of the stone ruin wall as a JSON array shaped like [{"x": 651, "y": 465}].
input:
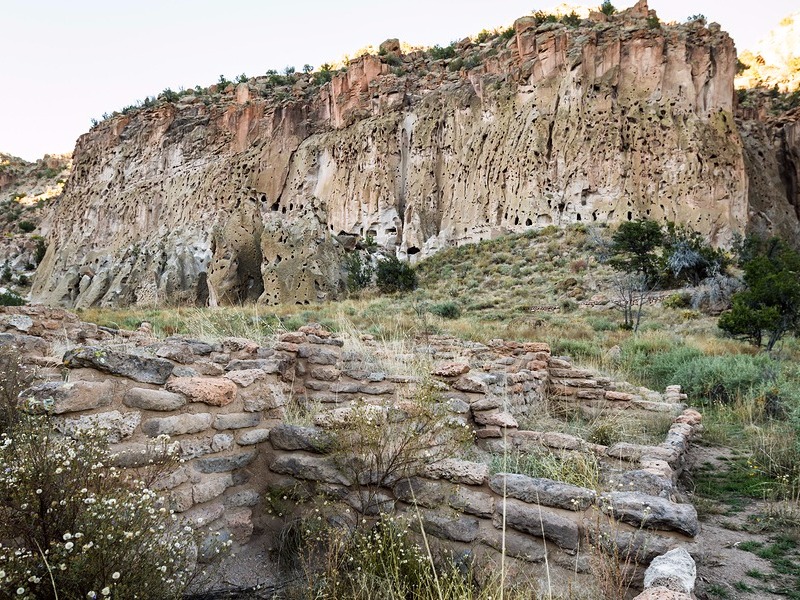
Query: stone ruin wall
[{"x": 223, "y": 407}]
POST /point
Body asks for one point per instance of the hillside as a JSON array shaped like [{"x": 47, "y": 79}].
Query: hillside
[{"x": 27, "y": 192}]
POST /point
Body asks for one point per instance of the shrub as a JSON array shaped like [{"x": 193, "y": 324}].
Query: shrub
[
  {"x": 660, "y": 369},
  {"x": 394, "y": 275},
  {"x": 607, "y": 8},
  {"x": 359, "y": 271},
  {"x": 471, "y": 62},
  {"x": 41, "y": 249},
  {"x": 375, "y": 445},
  {"x": 579, "y": 265},
  {"x": 688, "y": 258},
  {"x": 509, "y": 33},
  {"x": 653, "y": 22},
  {"x": 544, "y": 17},
  {"x": 576, "y": 349},
  {"x": 771, "y": 303},
  {"x": 169, "y": 95},
  {"x": 455, "y": 64},
  {"x": 678, "y": 300},
  {"x": 576, "y": 468},
  {"x": 80, "y": 528},
  {"x": 378, "y": 559},
  {"x": 571, "y": 20},
  {"x": 446, "y": 310},
  {"x": 392, "y": 59},
  {"x": 725, "y": 378},
  {"x": 483, "y": 36},
  {"x": 11, "y": 299},
  {"x": 324, "y": 75},
  {"x": 438, "y": 52},
  {"x": 26, "y": 226},
  {"x": 635, "y": 246},
  {"x": 14, "y": 377}
]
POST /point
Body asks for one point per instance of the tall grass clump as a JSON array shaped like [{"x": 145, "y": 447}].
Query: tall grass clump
[
  {"x": 576, "y": 468},
  {"x": 378, "y": 560}
]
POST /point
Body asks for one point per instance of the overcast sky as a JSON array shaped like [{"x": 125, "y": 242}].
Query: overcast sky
[{"x": 63, "y": 63}]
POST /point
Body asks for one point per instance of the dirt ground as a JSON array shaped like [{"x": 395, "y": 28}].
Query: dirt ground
[{"x": 731, "y": 528}]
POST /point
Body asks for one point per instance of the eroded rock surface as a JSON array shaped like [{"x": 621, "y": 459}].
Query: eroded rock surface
[{"x": 248, "y": 194}]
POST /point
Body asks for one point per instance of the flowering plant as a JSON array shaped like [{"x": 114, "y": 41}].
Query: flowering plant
[{"x": 74, "y": 526}]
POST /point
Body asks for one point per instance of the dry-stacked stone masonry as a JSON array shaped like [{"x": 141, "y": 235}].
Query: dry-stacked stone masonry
[{"x": 223, "y": 406}]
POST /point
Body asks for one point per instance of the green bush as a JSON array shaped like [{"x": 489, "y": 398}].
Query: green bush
[
  {"x": 725, "y": 378},
  {"x": 41, "y": 248},
  {"x": 169, "y": 95},
  {"x": 11, "y": 299},
  {"x": 14, "y": 377},
  {"x": 771, "y": 303},
  {"x": 394, "y": 275},
  {"x": 446, "y": 310},
  {"x": 544, "y": 17},
  {"x": 359, "y": 271},
  {"x": 658, "y": 370},
  {"x": 607, "y": 8},
  {"x": 576, "y": 349},
  {"x": 679, "y": 300},
  {"x": 635, "y": 246},
  {"x": 26, "y": 226},
  {"x": 438, "y": 52},
  {"x": 571, "y": 20}
]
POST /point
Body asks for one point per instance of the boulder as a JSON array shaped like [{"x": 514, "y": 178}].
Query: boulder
[
  {"x": 517, "y": 545},
  {"x": 455, "y": 528},
  {"x": 315, "y": 468},
  {"x": 253, "y": 436},
  {"x": 422, "y": 492},
  {"x": 237, "y": 420},
  {"x": 450, "y": 370},
  {"x": 222, "y": 464}
]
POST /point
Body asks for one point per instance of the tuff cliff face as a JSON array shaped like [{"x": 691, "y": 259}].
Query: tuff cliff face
[
  {"x": 772, "y": 158},
  {"x": 248, "y": 193}
]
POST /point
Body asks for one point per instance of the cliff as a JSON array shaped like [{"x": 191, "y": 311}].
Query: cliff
[{"x": 251, "y": 191}]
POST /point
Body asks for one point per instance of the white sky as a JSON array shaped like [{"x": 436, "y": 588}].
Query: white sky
[{"x": 63, "y": 62}]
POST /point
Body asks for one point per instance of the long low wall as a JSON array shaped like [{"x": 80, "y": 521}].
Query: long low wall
[{"x": 228, "y": 409}]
